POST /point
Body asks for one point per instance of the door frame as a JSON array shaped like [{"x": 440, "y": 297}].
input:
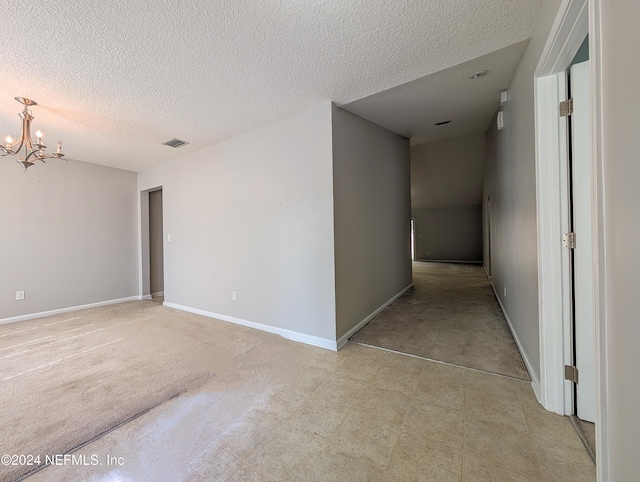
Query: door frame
[
  {"x": 575, "y": 19},
  {"x": 144, "y": 254},
  {"x": 152, "y": 237},
  {"x": 486, "y": 262},
  {"x": 412, "y": 223}
]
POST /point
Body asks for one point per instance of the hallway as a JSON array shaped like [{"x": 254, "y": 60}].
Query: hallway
[{"x": 451, "y": 315}]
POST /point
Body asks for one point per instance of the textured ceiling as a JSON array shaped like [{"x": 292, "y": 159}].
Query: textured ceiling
[{"x": 115, "y": 79}]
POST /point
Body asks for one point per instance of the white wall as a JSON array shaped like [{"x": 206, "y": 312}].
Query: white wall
[
  {"x": 446, "y": 192},
  {"x": 68, "y": 235},
  {"x": 254, "y": 214},
  {"x": 510, "y": 182},
  {"x": 372, "y": 213},
  {"x": 620, "y": 104}
]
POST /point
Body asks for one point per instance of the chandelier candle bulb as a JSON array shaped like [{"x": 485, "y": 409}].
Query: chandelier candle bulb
[
  {"x": 8, "y": 141},
  {"x": 59, "y": 151}
]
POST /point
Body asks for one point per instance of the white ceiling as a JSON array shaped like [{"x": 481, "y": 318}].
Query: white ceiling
[
  {"x": 115, "y": 79},
  {"x": 413, "y": 109}
]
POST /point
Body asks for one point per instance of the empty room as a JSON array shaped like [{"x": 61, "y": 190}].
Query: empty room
[{"x": 319, "y": 241}]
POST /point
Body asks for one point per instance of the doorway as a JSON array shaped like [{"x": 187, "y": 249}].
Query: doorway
[
  {"x": 151, "y": 282},
  {"x": 581, "y": 216},
  {"x": 413, "y": 239},
  {"x": 568, "y": 206},
  {"x": 156, "y": 251},
  {"x": 487, "y": 246}
]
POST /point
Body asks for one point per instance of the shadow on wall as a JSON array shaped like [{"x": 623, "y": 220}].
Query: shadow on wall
[{"x": 448, "y": 234}]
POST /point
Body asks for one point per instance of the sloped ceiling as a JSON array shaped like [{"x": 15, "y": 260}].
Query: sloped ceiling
[
  {"x": 413, "y": 109},
  {"x": 115, "y": 79}
]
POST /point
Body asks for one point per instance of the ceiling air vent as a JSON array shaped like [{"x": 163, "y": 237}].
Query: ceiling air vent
[{"x": 175, "y": 143}]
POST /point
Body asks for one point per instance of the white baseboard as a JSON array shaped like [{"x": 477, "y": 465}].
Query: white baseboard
[
  {"x": 290, "y": 335},
  {"x": 486, "y": 271},
  {"x": 145, "y": 297},
  {"x": 157, "y": 294},
  {"x": 344, "y": 338},
  {"x": 535, "y": 382},
  {"x": 447, "y": 261},
  {"x": 42, "y": 314}
]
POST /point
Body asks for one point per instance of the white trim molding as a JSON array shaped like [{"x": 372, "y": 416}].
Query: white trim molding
[
  {"x": 553, "y": 220},
  {"x": 42, "y": 314},
  {"x": 569, "y": 29},
  {"x": 535, "y": 382},
  {"x": 344, "y": 338},
  {"x": 599, "y": 288},
  {"x": 453, "y": 261},
  {"x": 289, "y": 334},
  {"x": 567, "y": 34},
  {"x": 575, "y": 19}
]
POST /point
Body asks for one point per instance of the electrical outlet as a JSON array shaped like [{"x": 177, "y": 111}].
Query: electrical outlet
[
  {"x": 19, "y": 295},
  {"x": 234, "y": 296}
]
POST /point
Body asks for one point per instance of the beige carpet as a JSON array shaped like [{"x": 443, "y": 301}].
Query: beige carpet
[
  {"x": 69, "y": 378},
  {"x": 450, "y": 315}
]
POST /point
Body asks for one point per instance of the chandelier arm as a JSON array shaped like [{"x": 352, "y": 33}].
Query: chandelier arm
[
  {"x": 11, "y": 148},
  {"x": 14, "y": 144},
  {"x": 46, "y": 156},
  {"x": 20, "y": 144},
  {"x": 33, "y": 153},
  {"x": 24, "y": 164}
]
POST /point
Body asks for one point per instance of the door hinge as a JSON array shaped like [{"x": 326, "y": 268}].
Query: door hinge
[
  {"x": 566, "y": 108},
  {"x": 569, "y": 240},
  {"x": 571, "y": 373}
]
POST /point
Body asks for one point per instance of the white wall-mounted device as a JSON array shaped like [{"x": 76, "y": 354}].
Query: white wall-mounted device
[
  {"x": 504, "y": 97},
  {"x": 500, "y": 120}
]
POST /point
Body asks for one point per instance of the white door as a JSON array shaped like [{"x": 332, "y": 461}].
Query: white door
[{"x": 583, "y": 252}]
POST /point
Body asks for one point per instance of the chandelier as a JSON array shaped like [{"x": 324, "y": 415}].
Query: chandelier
[{"x": 31, "y": 151}]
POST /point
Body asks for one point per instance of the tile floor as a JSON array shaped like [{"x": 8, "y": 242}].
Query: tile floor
[{"x": 285, "y": 411}]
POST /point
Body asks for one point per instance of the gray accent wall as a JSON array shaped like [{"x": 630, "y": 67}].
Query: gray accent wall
[
  {"x": 371, "y": 187},
  {"x": 448, "y": 234},
  {"x": 510, "y": 182},
  {"x": 254, "y": 214},
  {"x": 446, "y": 195},
  {"x": 68, "y": 236}
]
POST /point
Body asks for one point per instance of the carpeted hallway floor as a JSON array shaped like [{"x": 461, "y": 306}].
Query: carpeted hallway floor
[{"x": 450, "y": 315}]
